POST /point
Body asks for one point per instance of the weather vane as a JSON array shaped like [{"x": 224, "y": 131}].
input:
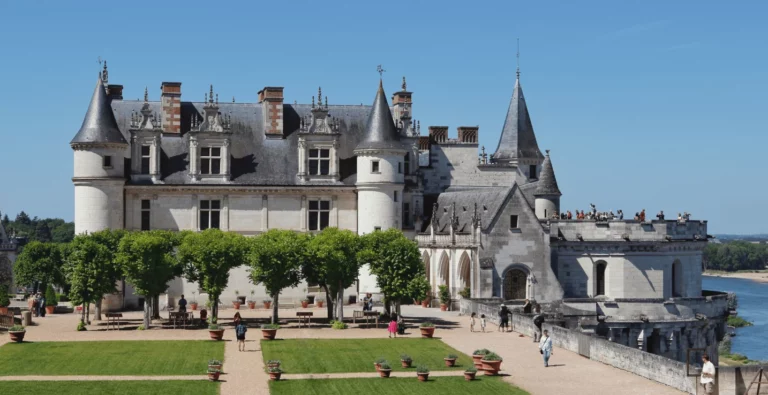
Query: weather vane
[
  {"x": 518, "y": 58},
  {"x": 381, "y": 71}
]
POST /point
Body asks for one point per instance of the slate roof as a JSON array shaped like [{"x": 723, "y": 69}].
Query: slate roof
[
  {"x": 517, "y": 139},
  {"x": 99, "y": 125},
  {"x": 547, "y": 184},
  {"x": 380, "y": 131},
  {"x": 489, "y": 202}
]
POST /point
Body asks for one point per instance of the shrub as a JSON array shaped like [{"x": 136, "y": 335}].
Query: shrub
[
  {"x": 427, "y": 324},
  {"x": 214, "y": 362},
  {"x": 452, "y": 356},
  {"x": 482, "y": 351},
  {"x": 471, "y": 370},
  {"x": 212, "y": 370},
  {"x": 385, "y": 366},
  {"x": 274, "y": 362},
  {"x": 270, "y": 326},
  {"x": 492, "y": 356},
  {"x": 5, "y": 301},
  {"x": 140, "y": 327},
  {"x": 274, "y": 369},
  {"x": 444, "y": 294},
  {"x": 381, "y": 360},
  {"x": 738, "y": 322},
  {"x": 406, "y": 358},
  {"x": 62, "y": 297},
  {"x": 81, "y": 326},
  {"x": 214, "y": 327},
  {"x": 739, "y": 357},
  {"x": 422, "y": 369},
  {"x": 17, "y": 328},
  {"x": 465, "y": 293},
  {"x": 50, "y": 296},
  {"x": 338, "y": 325}
]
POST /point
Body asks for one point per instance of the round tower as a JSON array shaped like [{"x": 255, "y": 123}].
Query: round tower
[
  {"x": 99, "y": 175},
  {"x": 547, "y": 193}
]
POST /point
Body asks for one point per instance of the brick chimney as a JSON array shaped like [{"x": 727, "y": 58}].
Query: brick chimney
[
  {"x": 170, "y": 98},
  {"x": 115, "y": 92},
  {"x": 438, "y": 134},
  {"x": 468, "y": 134},
  {"x": 271, "y": 99}
]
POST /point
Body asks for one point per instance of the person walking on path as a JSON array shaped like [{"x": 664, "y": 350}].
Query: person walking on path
[
  {"x": 240, "y": 330},
  {"x": 482, "y": 322},
  {"x": 472, "y": 322},
  {"x": 545, "y": 347},
  {"x": 182, "y": 304},
  {"x": 707, "y": 375},
  {"x": 504, "y": 318},
  {"x": 237, "y": 319},
  {"x": 392, "y": 328},
  {"x": 538, "y": 319},
  {"x": 527, "y": 307},
  {"x": 41, "y": 306}
]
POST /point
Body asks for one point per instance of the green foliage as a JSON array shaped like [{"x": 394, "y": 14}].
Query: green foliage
[
  {"x": 492, "y": 356},
  {"x": 89, "y": 270},
  {"x": 214, "y": 327},
  {"x": 42, "y": 230},
  {"x": 274, "y": 362},
  {"x": 214, "y": 362},
  {"x": 420, "y": 288},
  {"x": 17, "y": 328},
  {"x": 482, "y": 351},
  {"x": 140, "y": 328},
  {"x": 736, "y": 255},
  {"x": 380, "y": 361},
  {"x": 394, "y": 260},
  {"x": 738, "y": 322},
  {"x": 452, "y": 356},
  {"x": 50, "y": 296},
  {"x": 5, "y": 301},
  {"x": 444, "y": 294},
  {"x": 207, "y": 258},
  {"x": 406, "y": 358},
  {"x": 338, "y": 325},
  {"x": 331, "y": 259},
  {"x": 212, "y": 370},
  {"x": 270, "y": 326},
  {"x": 148, "y": 261},
  {"x": 40, "y": 262},
  {"x": 81, "y": 326},
  {"x": 739, "y": 357},
  {"x": 385, "y": 366},
  {"x": 465, "y": 293},
  {"x": 471, "y": 369},
  {"x": 422, "y": 369},
  {"x": 427, "y": 324},
  {"x": 274, "y": 369}
]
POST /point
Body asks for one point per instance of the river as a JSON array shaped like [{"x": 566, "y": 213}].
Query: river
[{"x": 753, "y": 296}]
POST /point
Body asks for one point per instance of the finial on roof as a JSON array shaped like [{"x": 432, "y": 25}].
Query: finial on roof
[
  {"x": 319, "y": 96},
  {"x": 210, "y": 98},
  {"x": 547, "y": 152},
  {"x": 233, "y": 99},
  {"x": 105, "y": 74},
  {"x": 404, "y": 85},
  {"x": 326, "y": 102},
  {"x": 146, "y": 95},
  {"x": 206, "y": 98},
  {"x": 381, "y": 72},
  {"x": 313, "y": 102},
  {"x": 518, "y": 58},
  {"x": 217, "y": 98}
]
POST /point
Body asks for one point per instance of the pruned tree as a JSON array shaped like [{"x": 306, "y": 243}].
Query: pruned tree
[
  {"x": 208, "y": 256},
  {"x": 39, "y": 264},
  {"x": 149, "y": 263},
  {"x": 90, "y": 272},
  {"x": 111, "y": 239},
  {"x": 276, "y": 258},
  {"x": 332, "y": 262}
]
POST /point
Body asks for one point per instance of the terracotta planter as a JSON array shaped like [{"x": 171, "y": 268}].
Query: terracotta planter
[
  {"x": 424, "y": 303},
  {"x": 213, "y": 376},
  {"x": 236, "y": 305},
  {"x": 443, "y": 307},
  {"x": 491, "y": 368},
  {"x": 267, "y": 305},
  {"x": 469, "y": 376},
  {"x": 3, "y": 310},
  {"x": 274, "y": 376},
  {"x": 17, "y": 337},
  {"x": 377, "y": 366},
  {"x": 273, "y": 365},
  {"x": 251, "y": 305},
  {"x": 269, "y": 334},
  {"x": 320, "y": 303},
  {"x": 476, "y": 361},
  {"x": 193, "y": 306},
  {"x": 216, "y": 334},
  {"x": 406, "y": 364},
  {"x": 450, "y": 362},
  {"x": 427, "y": 332},
  {"x": 50, "y": 309},
  {"x": 423, "y": 376},
  {"x": 304, "y": 304},
  {"x": 384, "y": 373}
]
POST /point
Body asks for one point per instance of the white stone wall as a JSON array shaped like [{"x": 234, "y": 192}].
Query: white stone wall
[
  {"x": 456, "y": 277},
  {"x": 98, "y": 205},
  {"x": 545, "y": 207},
  {"x": 456, "y": 165},
  {"x": 89, "y": 164}
]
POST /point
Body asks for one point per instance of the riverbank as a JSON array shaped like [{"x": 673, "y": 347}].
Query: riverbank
[{"x": 759, "y": 276}]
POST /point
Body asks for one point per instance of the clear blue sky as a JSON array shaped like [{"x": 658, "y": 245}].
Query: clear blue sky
[{"x": 644, "y": 104}]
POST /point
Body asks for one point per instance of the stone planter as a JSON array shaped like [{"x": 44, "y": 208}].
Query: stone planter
[
  {"x": 406, "y": 364},
  {"x": 304, "y": 304},
  {"x": 469, "y": 376},
  {"x": 269, "y": 334},
  {"x": 216, "y": 334},
  {"x": 17, "y": 337},
  {"x": 50, "y": 309},
  {"x": 274, "y": 376},
  {"x": 423, "y": 376},
  {"x": 273, "y": 365},
  {"x": 251, "y": 305},
  {"x": 215, "y": 367},
  {"x": 193, "y": 306},
  {"x": 491, "y": 368},
  {"x": 427, "y": 332},
  {"x": 267, "y": 305},
  {"x": 236, "y": 305},
  {"x": 443, "y": 307},
  {"x": 213, "y": 376},
  {"x": 384, "y": 373},
  {"x": 320, "y": 303},
  {"x": 476, "y": 361},
  {"x": 450, "y": 362}
]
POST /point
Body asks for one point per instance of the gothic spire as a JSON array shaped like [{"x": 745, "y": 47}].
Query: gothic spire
[
  {"x": 380, "y": 132},
  {"x": 547, "y": 184},
  {"x": 99, "y": 125},
  {"x": 517, "y": 138}
]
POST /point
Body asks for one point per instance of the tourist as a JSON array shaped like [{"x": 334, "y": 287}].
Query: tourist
[
  {"x": 504, "y": 316},
  {"x": 368, "y": 302},
  {"x": 545, "y": 347},
  {"x": 637, "y": 216},
  {"x": 182, "y": 304},
  {"x": 36, "y": 304},
  {"x": 240, "y": 329},
  {"x": 660, "y": 215},
  {"x": 237, "y": 319},
  {"x": 642, "y": 216},
  {"x": 707, "y": 375},
  {"x": 482, "y": 322},
  {"x": 41, "y": 306},
  {"x": 621, "y": 214},
  {"x": 400, "y": 324},
  {"x": 472, "y": 322},
  {"x": 527, "y": 307},
  {"x": 679, "y": 217},
  {"x": 392, "y": 328},
  {"x": 538, "y": 319},
  {"x": 570, "y": 215}
]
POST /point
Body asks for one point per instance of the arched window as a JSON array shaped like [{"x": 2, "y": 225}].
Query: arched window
[
  {"x": 600, "y": 278},
  {"x": 515, "y": 284}
]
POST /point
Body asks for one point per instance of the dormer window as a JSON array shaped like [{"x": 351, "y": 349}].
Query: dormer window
[
  {"x": 532, "y": 172},
  {"x": 145, "y": 157},
  {"x": 374, "y": 166},
  {"x": 319, "y": 162},
  {"x": 106, "y": 162},
  {"x": 210, "y": 160}
]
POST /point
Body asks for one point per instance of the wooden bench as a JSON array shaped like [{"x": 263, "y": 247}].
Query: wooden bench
[
  {"x": 304, "y": 316},
  {"x": 19, "y": 297},
  {"x": 113, "y": 320},
  {"x": 365, "y": 315},
  {"x": 185, "y": 317}
]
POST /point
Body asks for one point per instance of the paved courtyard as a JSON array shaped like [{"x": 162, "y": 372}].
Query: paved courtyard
[{"x": 568, "y": 372}]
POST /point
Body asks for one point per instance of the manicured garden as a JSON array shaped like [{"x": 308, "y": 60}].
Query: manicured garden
[
  {"x": 394, "y": 386},
  {"x": 109, "y": 387},
  {"x": 129, "y": 358},
  {"x": 358, "y": 355}
]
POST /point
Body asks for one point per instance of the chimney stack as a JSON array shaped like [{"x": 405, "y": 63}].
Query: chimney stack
[
  {"x": 171, "y": 102},
  {"x": 115, "y": 92},
  {"x": 468, "y": 134},
  {"x": 271, "y": 99},
  {"x": 438, "y": 134}
]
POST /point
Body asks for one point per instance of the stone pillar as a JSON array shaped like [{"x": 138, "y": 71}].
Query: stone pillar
[{"x": 264, "y": 213}]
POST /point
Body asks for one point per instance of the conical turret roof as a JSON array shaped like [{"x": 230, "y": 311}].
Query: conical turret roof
[
  {"x": 99, "y": 125},
  {"x": 517, "y": 138},
  {"x": 380, "y": 132},
  {"x": 547, "y": 184}
]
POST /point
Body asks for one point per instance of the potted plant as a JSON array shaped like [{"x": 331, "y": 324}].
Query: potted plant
[
  {"x": 17, "y": 333},
  {"x": 465, "y": 293},
  {"x": 5, "y": 301},
  {"x": 416, "y": 302},
  {"x": 319, "y": 302},
  {"x": 273, "y": 363},
  {"x": 491, "y": 364},
  {"x": 419, "y": 289},
  {"x": 450, "y": 360},
  {"x": 213, "y": 374},
  {"x": 193, "y": 303},
  {"x": 477, "y": 356},
  {"x": 268, "y": 331},
  {"x": 425, "y": 302},
  {"x": 252, "y": 302},
  {"x": 215, "y": 330},
  {"x": 214, "y": 364},
  {"x": 51, "y": 301},
  {"x": 378, "y": 362},
  {"x": 385, "y": 370},
  {"x": 406, "y": 360},
  {"x": 304, "y": 303},
  {"x": 236, "y": 302},
  {"x": 427, "y": 329},
  {"x": 267, "y": 303},
  {"x": 445, "y": 297},
  {"x": 274, "y": 373},
  {"x": 470, "y": 373},
  {"x": 422, "y": 372}
]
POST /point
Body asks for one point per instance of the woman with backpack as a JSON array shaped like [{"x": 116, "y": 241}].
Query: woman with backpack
[{"x": 240, "y": 329}]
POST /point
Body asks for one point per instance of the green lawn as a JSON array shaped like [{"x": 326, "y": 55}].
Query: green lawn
[
  {"x": 357, "y": 355},
  {"x": 394, "y": 386},
  {"x": 130, "y": 358},
  {"x": 109, "y": 387}
]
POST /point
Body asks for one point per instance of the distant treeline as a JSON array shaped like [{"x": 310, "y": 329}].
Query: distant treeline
[
  {"x": 37, "y": 229},
  {"x": 736, "y": 255}
]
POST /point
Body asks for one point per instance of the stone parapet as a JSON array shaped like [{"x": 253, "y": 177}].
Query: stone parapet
[{"x": 627, "y": 230}]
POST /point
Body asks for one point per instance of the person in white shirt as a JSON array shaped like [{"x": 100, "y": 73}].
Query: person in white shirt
[
  {"x": 545, "y": 347},
  {"x": 707, "y": 375}
]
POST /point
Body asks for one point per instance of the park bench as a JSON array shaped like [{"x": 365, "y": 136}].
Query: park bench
[
  {"x": 304, "y": 317},
  {"x": 185, "y": 317},
  {"x": 365, "y": 315},
  {"x": 19, "y": 297},
  {"x": 113, "y": 320}
]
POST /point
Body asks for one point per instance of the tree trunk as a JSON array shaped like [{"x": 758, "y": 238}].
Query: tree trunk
[
  {"x": 147, "y": 311},
  {"x": 340, "y": 303},
  {"x": 387, "y": 307},
  {"x": 215, "y": 309},
  {"x": 82, "y": 317},
  {"x": 156, "y": 306},
  {"x": 274, "y": 307},
  {"x": 397, "y": 308},
  {"x": 97, "y": 313},
  {"x": 88, "y": 313},
  {"x": 328, "y": 302}
]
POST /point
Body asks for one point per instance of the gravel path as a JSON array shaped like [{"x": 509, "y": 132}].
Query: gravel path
[{"x": 101, "y": 378}]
